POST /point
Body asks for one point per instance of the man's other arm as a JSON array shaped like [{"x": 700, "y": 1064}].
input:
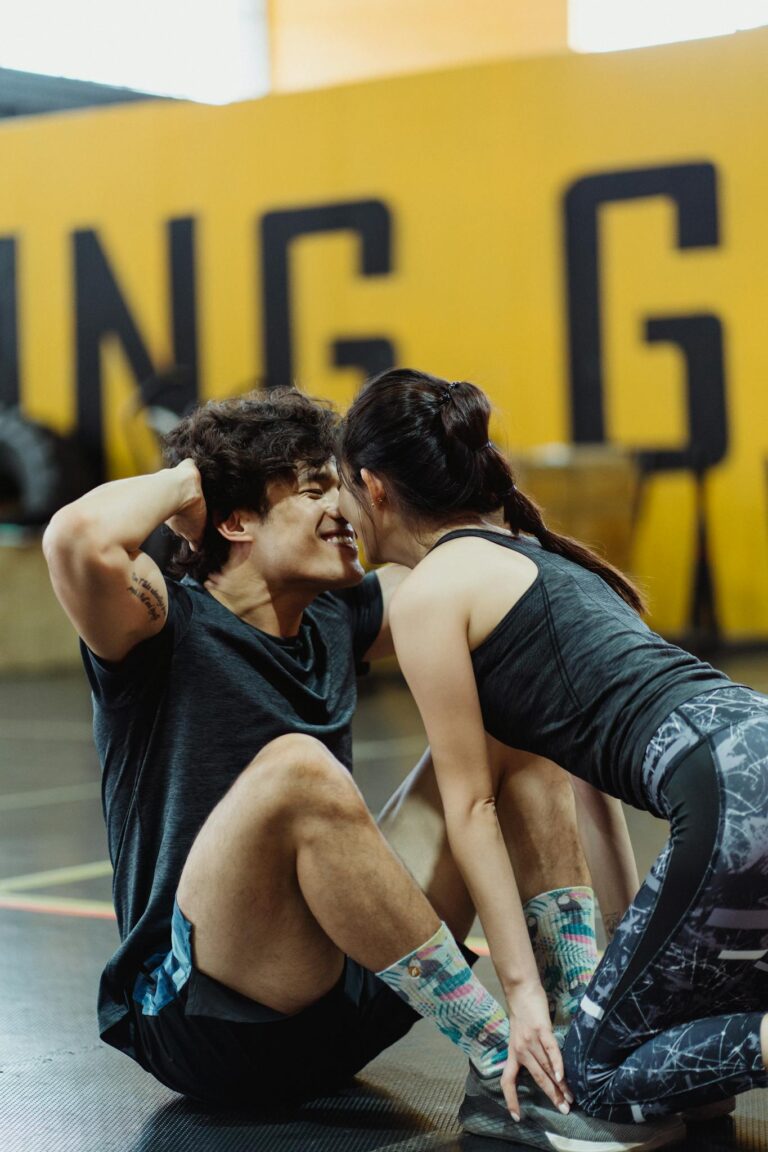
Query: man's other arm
[
  {"x": 113, "y": 593},
  {"x": 390, "y": 578}
]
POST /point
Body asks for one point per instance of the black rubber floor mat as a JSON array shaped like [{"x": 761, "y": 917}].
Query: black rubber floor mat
[
  {"x": 61, "y": 1090},
  {"x": 95, "y": 1100}
]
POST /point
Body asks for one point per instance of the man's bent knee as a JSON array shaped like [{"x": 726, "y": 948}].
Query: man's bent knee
[
  {"x": 293, "y": 747},
  {"x": 290, "y": 790},
  {"x": 294, "y": 771}
]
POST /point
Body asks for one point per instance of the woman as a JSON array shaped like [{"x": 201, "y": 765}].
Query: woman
[{"x": 506, "y": 627}]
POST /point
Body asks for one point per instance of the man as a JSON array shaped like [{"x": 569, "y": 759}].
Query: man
[{"x": 256, "y": 897}]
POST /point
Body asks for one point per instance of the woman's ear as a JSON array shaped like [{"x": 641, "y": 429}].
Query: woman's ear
[{"x": 377, "y": 493}]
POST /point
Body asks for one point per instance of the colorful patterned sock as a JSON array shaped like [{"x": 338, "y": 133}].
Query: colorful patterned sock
[
  {"x": 561, "y": 925},
  {"x": 438, "y": 983}
]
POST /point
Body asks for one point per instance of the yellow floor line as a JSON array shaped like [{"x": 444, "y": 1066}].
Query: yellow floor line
[
  {"x": 101, "y": 909},
  {"x": 71, "y": 875},
  {"x": 43, "y": 797}
]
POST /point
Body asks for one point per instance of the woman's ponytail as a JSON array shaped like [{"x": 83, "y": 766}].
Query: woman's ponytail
[{"x": 523, "y": 515}]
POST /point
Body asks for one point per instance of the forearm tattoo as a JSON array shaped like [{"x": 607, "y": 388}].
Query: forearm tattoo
[{"x": 149, "y": 597}]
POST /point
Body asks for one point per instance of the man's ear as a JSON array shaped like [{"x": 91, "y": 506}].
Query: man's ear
[
  {"x": 236, "y": 527},
  {"x": 377, "y": 493}
]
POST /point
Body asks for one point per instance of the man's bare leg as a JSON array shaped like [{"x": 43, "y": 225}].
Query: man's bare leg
[
  {"x": 290, "y": 873},
  {"x": 537, "y": 816},
  {"x": 413, "y": 823},
  {"x": 536, "y": 812}
]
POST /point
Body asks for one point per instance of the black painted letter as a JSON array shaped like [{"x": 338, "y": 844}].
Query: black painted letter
[
  {"x": 693, "y": 189},
  {"x": 9, "y": 325},
  {"x": 101, "y": 310},
  {"x": 371, "y": 220}
]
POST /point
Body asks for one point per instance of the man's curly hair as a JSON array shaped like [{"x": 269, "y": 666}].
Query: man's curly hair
[{"x": 239, "y": 446}]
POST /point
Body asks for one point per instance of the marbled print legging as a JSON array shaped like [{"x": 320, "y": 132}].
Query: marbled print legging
[{"x": 672, "y": 1016}]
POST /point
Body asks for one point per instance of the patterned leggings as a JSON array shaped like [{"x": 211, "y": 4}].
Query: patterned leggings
[{"x": 672, "y": 1016}]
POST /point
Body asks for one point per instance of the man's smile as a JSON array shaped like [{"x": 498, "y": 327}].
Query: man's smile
[{"x": 341, "y": 539}]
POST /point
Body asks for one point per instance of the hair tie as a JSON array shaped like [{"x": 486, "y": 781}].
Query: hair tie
[
  {"x": 445, "y": 395},
  {"x": 510, "y": 491}
]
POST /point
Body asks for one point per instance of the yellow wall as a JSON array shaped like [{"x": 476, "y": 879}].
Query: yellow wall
[
  {"x": 314, "y": 44},
  {"x": 471, "y": 169}
]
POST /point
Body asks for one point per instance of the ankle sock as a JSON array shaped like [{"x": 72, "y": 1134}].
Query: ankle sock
[
  {"x": 438, "y": 983},
  {"x": 561, "y": 925}
]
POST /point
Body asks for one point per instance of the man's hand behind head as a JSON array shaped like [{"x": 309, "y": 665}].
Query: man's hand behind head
[{"x": 190, "y": 520}]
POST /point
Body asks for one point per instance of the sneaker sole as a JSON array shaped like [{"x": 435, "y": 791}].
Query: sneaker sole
[
  {"x": 479, "y": 1127},
  {"x": 562, "y": 1144}
]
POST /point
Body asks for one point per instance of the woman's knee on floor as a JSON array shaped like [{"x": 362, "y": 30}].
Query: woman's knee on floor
[{"x": 586, "y": 1078}]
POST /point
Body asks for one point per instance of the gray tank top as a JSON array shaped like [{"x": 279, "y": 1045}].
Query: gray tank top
[{"x": 572, "y": 673}]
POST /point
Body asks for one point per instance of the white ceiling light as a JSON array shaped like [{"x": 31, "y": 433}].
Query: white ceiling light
[
  {"x": 610, "y": 25},
  {"x": 214, "y": 51}
]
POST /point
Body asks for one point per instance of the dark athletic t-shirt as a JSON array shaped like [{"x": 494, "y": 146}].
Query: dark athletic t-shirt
[
  {"x": 573, "y": 674},
  {"x": 180, "y": 718}
]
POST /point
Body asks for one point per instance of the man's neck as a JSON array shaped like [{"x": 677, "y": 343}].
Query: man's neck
[{"x": 249, "y": 596}]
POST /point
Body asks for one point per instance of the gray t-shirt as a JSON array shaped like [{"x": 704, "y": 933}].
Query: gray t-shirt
[{"x": 179, "y": 719}]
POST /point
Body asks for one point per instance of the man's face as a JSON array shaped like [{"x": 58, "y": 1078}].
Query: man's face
[{"x": 305, "y": 540}]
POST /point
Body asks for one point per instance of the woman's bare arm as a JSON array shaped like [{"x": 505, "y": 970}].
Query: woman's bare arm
[{"x": 430, "y": 633}]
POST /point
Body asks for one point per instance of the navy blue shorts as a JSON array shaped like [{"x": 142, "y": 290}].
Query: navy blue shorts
[{"x": 215, "y": 1045}]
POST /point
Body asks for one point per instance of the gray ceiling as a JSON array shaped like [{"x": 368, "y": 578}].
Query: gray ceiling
[{"x": 29, "y": 94}]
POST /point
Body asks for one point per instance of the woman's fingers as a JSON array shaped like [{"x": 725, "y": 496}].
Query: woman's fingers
[
  {"x": 554, "y": 1056},
  {"x": 538, "y": 1052},
  {"x": 532, "y": 1045},
  {"x": 537, "y": 1065},
  {"x": 509, "y": 1087}
]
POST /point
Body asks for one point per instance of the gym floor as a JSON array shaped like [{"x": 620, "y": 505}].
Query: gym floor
[{"x": 62, "y": 1089}]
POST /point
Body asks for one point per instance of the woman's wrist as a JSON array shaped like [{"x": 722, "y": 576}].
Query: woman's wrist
[{"x": 520, "y": 987}]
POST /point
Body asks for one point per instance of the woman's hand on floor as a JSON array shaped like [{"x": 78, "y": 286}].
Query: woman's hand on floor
[{"x": 532, "y": 1045}]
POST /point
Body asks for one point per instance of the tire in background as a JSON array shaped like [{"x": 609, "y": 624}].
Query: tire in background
[{"x": 40, "y": 470}]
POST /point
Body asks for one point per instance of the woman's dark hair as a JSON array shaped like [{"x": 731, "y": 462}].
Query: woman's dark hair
[
  {"x": 427, "y": 439},
  {"x": 240, "y": 446}
]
